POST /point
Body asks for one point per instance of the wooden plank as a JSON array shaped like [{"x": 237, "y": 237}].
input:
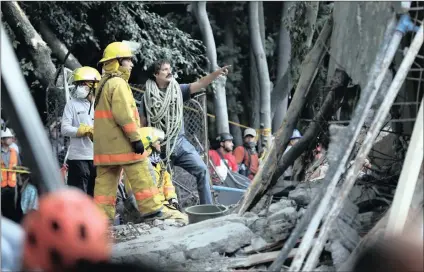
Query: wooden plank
[
  {"x": 408, "y": 179},
  {"x": 259, "y": 258}
]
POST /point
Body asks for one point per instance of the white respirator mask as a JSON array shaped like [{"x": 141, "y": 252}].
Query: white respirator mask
[{"x": 81, "y": 92}]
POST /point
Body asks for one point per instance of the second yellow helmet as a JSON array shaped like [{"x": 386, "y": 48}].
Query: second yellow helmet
[
  {"x": 86, "y": 73},
  {"x": 116, "y": 50}
]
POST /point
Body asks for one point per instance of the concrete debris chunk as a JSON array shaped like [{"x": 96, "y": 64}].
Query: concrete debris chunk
[
  {"x": 287, "y": 214},
  {"x": 344, "y": 233},
  {"x": 325, "y": 268},
  {"x": 305, "y": 192},
  {"x": 250, "y": 240},
  {"x": 197, "y": 241},
  {"x": 280, "y": 205},
  {"x": 339, "y": 254}
]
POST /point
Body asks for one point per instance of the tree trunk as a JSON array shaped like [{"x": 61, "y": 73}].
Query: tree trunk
[
  {"x": 232, "y": 112},
  {"x": 309, "y": 67},
  {"x": 254, "y": 79},
  {"x": 58, "y": 48},
  {"x": 38, "y": 49},
  {"x": 255, "y": 92},
  {"x": 281, "y": 90},
  {"x": 284, "y": 55},
  {"x": 311, "y": 15},
  {"x": 263, "y": 73},
  {"x": 220, "y": 100}
]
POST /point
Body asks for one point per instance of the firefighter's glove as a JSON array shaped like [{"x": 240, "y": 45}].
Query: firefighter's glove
[
  {"x": 85, "y": 131},
  {"x": 138, "y": 147},
  {"x": 173, "y": 202}
]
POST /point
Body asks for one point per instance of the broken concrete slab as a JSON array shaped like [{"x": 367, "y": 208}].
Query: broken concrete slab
[
  {"x": 349, "y": 214},
  {"x": 197, "y": 241},
  {"x": 305, "y": 192},
  {"x": 339, "y": 254},
  {"x": 325, "y": 268},
  {"x": 283, "y": 185},
  {"x": 355, "y": 50},
  {"x": 360, "y": 193},
  {"x": 276, "y": 230},
  {"x": 345, "y": 233},
  {"x": 257, "y": 244},
  {"x": 288, "y": 214},
  {"x": 280, "y": 205}
]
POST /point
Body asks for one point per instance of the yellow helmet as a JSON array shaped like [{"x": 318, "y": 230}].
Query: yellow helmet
[
  {"x": 116, "y": 50},
  {"x": 86, "y": 73},
  {"x": 150, "y": 135}
]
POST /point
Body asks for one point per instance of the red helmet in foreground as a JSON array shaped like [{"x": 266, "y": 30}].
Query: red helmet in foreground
[{"x": 68, "y": 227}]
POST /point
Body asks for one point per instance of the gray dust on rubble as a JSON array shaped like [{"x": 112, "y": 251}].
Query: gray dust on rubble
[{"x": 219, "y": 243}]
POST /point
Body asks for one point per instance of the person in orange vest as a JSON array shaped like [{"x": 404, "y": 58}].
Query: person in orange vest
[
  {"x": 246, "y": 155},
  {"x": 9, "y": 160}
]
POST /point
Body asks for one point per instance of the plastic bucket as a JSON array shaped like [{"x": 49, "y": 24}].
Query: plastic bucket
[
  {"x": 227, "y": 195},
  {"x": 203, "y": 212}
]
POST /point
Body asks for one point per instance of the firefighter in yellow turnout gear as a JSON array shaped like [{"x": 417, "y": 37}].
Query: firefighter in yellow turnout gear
[
  {"x": 167, "y": 194},
  {"x": 166, "y": 190},
  {"x": 118, "y": 141}
]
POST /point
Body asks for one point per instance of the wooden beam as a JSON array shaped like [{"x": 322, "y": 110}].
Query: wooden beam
[{"x": 408, "y": 179}]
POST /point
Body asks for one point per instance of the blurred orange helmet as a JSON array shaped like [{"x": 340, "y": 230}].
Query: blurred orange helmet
[{"x": 68, "y": 227}]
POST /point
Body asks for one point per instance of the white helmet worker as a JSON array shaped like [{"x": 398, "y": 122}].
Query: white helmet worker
[
  {"x": 6, "y": 133},
  {"x": 249, "y": 131},
  {"x": 296, "y": 135}
]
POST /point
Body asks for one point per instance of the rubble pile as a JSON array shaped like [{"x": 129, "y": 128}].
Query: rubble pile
[{"x": 235, "y": 242}]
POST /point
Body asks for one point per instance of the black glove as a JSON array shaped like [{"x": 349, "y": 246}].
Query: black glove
[
  {"x": 138, "y": 147},
  {"x": 174, "y": 203}
]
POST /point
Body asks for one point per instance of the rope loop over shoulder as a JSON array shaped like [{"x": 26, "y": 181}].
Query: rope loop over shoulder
[{"x": 165, "y": 111}]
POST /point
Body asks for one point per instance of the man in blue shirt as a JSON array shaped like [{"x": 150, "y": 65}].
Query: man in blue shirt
[{"x": 166, "y": 93}]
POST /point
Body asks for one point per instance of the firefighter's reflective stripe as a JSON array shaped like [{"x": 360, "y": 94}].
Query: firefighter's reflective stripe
[
  {"x": 142, "y": 185},
  {"x": 116, "y": 159},
  {"x": 128, "y": 128},
  {"x": 116, "y": 117},
  {"x": 9, "y": 178},
  {"x": 105, "y": 114},
  {"x": 146, "y": 193},
  {"x": 105, "y": 200}
]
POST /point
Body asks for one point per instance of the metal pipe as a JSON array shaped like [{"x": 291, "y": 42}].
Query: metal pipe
[
  {"x": 26, "y": 121},
  {"x": 228, "y": 189},
  {"x": 377, "y": 72},
  {"x": 355, "y": 126},
  {"x": 372, "y": 134}
]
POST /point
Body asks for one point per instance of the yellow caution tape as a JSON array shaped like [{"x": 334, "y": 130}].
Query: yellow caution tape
[
  {"x": 266, "y": 132},
  {"x": 15, "y": 171}
]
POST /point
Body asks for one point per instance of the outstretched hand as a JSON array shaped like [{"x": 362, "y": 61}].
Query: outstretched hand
[{"x": 224, "y": 70}]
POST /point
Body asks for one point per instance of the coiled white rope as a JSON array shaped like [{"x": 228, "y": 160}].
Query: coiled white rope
[{"x": 165, "y": 111}]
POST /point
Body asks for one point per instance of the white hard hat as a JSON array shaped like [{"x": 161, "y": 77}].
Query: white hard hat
[
  {"x": 6, "y": 133},
  {"x": 249, "y": 131},
  {"x": 296, "y": 135}
]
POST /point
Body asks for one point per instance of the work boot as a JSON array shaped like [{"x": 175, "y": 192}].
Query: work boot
[
  {"x": 159, "y": 215},
  {"x": 175, "y": 214}
]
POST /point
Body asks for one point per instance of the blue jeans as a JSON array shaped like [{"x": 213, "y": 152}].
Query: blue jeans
[{"x": 186, "y": 157}]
